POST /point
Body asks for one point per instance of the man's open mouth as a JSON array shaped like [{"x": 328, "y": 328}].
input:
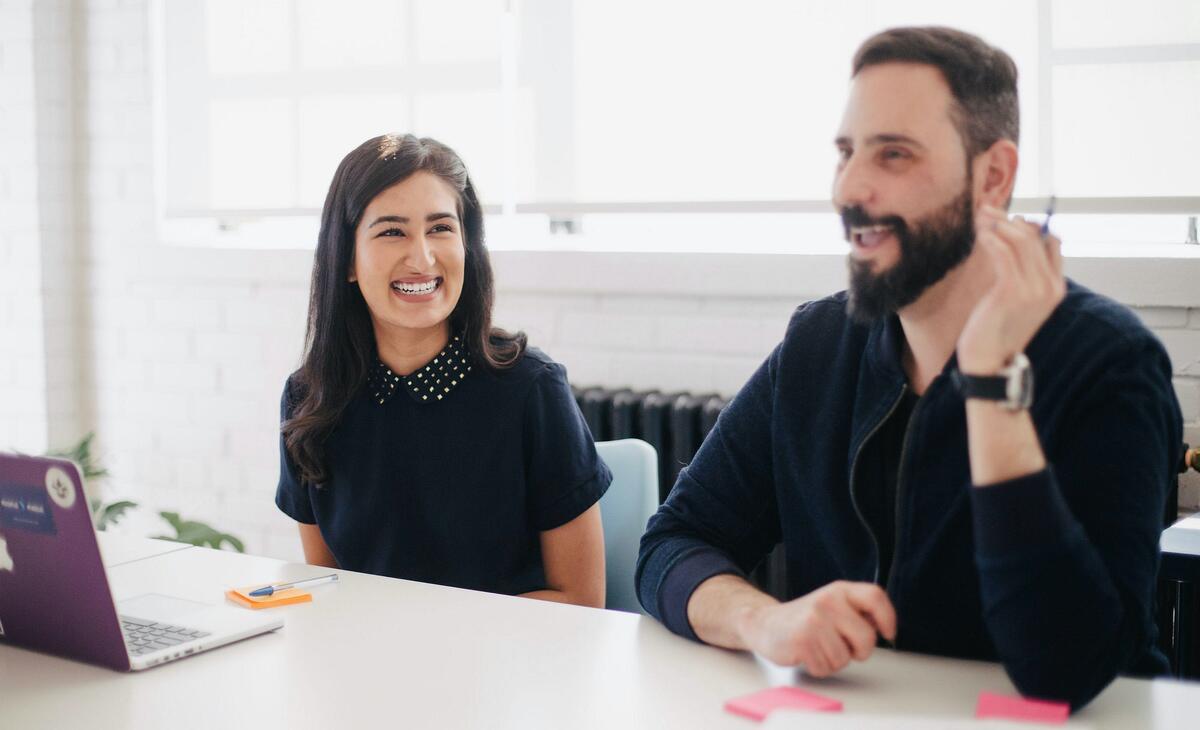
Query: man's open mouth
[{"x": 869, "y": 236}]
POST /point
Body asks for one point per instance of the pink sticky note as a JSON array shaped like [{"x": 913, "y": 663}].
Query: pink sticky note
[
  {"x": 1019, "y": 708},
  {"x": 760, "y": 704}
]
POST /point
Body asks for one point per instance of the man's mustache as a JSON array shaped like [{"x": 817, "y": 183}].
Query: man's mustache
[{"x": 855, "y": 216}]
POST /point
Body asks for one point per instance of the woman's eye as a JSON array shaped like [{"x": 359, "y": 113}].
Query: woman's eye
[
  {"x": 442, "y": 228},
  {"x": 392, "y": 232}
]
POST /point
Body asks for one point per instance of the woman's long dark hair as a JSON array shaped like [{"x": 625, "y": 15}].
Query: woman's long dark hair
[{"x": 339, "y": 344}]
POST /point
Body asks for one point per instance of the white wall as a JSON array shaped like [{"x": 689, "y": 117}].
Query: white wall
[{"x": 185, "y": 350}]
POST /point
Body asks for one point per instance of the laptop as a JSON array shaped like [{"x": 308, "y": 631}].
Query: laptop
[{"x": 54, "y": 592}]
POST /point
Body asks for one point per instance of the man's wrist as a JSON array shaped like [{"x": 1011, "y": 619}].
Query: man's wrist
[{"x": 983, "y": 365}]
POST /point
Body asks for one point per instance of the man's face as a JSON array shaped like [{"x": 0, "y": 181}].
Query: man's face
[{"x": 903, "y": 187}]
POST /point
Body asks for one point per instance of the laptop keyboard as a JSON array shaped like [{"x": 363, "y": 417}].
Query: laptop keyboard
[{"x": 143, "y": 637}]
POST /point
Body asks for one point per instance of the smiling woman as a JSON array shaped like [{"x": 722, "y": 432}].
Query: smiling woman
[{"x": 418, "y": 441}]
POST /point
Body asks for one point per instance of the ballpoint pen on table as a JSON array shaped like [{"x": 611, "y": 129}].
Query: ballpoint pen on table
[{"x": 270, "y": 590}]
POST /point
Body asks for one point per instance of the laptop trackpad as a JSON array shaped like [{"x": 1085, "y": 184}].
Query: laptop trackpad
[{"x": 164, "y": 609}]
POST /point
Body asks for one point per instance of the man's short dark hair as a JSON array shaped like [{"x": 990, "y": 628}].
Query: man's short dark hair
[{"x": 982, "y": 78}]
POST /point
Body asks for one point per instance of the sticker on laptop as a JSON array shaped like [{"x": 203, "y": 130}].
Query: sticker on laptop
[
  {"x": 26, "y": 508},
  {"x": 60, "y": 487},
  {"x": 6, "y": 561}
]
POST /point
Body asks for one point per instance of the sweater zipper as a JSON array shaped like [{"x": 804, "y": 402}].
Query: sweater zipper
[
  {"x": 912, "y": 417},
  {"x": 854, "y": 482}
]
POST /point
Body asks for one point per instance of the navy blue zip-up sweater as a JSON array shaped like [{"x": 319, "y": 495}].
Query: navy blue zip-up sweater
[{"x": 1052, "y": 574}]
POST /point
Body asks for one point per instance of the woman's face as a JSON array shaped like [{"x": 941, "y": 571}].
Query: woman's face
[{"x": 409, "y": 257}]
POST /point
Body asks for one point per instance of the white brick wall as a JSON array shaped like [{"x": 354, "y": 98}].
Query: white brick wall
[{"x": 186, "y": 350}]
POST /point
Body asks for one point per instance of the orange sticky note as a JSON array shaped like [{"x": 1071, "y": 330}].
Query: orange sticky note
[
  {"x": 1020, "y": 708},
  {"x": 758, "y": 705},
  {"x": 278, "y": 598}
]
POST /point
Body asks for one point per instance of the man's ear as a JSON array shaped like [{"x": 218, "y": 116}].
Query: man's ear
[{"x": 996, "y": 173}]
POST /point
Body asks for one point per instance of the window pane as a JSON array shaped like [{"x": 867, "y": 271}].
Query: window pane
[
  {"x": 351, "y": 33},
  {"x": 1126, "y": 129},
  {"x": 717, "y": 102},
  {"x": 248, "y": 37},
  {"x": 1098, "y": 23},
  {"x": 470, "y": 123},
  {"x": 252, "y": 154},
  {"x": 454, "y": 31},
  {"x": 329, "y": 127}
]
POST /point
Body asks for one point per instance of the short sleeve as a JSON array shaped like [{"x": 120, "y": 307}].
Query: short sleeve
[
  {"x": 565, "y": 476},
  {"x": 290, "y": 495}
]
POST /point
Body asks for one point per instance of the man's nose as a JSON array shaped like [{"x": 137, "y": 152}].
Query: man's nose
[{"x": 852, "y": 185}]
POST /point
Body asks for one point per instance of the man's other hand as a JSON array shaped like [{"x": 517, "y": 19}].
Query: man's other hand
[{"x": 822, "y": 630}]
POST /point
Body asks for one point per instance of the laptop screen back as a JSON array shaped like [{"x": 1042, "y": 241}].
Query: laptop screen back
[{"x": 54, "y": 594}]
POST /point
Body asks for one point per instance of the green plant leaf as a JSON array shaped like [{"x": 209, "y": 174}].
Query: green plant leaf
[
  {"x": 111, "y": 514},
  {"x": 81, "y": 454},
  {"x": 198, "y": 533}
]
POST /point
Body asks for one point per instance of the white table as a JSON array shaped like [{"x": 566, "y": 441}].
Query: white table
[
  {"x": 373, "y": 651},
  {"x": 120, "y": 549}
]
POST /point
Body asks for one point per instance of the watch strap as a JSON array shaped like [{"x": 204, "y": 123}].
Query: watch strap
[{"x": 984, "y": 387}]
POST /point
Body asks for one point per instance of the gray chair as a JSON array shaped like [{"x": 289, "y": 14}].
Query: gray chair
[{"x": 630, "y": 501}]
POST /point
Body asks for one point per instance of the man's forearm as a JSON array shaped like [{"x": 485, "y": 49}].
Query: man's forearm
[
  {"x": 721, "y": 608},
  {"x": 1002, "y": 444}
]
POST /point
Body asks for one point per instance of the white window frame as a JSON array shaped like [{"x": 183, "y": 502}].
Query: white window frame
[{"x": 269, "y": 227}]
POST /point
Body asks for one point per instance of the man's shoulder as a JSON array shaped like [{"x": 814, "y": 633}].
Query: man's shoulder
[
  {"x": 1096, "y": 319},
  {"x": 822, "y": 324},
  {"x": 825, "y": 315}
]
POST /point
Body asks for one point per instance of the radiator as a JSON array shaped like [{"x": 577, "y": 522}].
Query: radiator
[{"x": 675, "y": 424}]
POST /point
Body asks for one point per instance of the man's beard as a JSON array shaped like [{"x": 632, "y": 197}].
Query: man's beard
[{"x": 928, "y": 251}]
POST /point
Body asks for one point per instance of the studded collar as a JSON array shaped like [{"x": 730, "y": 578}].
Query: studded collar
[{"x": 427, "y": 384}]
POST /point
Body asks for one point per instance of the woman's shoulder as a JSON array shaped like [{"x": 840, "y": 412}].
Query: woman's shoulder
[{"x": 532, "y": 365}]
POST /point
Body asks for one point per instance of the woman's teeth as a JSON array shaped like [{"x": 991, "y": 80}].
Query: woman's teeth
[{"x": 425, "y": 287}]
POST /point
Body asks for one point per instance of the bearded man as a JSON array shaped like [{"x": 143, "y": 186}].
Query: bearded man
[{"x": 965, "y": 454}]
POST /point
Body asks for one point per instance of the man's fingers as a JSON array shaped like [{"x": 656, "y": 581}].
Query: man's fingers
[
  {"x": 812, "y": 656},
  {"x": 835, "y": 649},
  {"x": 858, "y": 633},
  {"x": 870, "y": 600},
  {"x": 1004, "y": 261},
  {"x": 1026, "y": 245},
  {"x": 1054, "y": 248}
]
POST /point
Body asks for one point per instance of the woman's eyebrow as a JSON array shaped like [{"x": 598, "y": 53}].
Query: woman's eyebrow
[{"x": 388, "y": 219}]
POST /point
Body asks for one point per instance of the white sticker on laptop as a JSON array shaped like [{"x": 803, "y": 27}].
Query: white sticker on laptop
[
  {"x": 60, "y": 487},
  {"x": 6, "y": 562}
]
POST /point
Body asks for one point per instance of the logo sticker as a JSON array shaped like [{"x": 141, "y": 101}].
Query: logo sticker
[
  {"x": 26, "y": 508},
  {"x": 59, "y": 485}
]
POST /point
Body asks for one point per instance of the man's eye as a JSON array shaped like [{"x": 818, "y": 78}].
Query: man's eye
[{"x": 895, "y": 154}]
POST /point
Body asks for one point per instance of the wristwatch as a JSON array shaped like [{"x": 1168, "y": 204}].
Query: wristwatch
[{"x": 1013, "y": 387}]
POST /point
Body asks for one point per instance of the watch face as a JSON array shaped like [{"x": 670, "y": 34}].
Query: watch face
[{"x": 1020, "y": 383}]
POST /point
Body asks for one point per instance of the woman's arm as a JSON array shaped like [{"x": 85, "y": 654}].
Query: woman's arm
[
  {"x": 573, "y": 558},
  {"x": 316, "y": 552}
]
